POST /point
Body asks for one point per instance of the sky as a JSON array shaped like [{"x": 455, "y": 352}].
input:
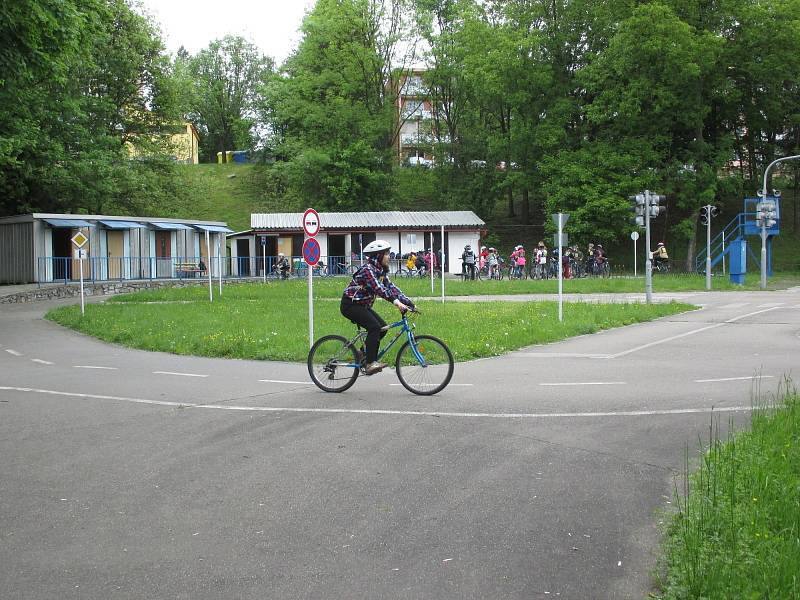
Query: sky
[{"x": 272, "y": 25}]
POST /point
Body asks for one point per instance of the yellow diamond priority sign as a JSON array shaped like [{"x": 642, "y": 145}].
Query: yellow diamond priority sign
[{"x": 79, "y": 239}]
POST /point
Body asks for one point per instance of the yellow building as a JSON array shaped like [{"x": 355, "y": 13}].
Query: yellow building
[
  {"x": 186, "y": 145},
  {"x": 182, "y": 145}
]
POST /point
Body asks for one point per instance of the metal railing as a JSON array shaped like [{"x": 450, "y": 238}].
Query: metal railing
[{"x": 65, "y": 269}]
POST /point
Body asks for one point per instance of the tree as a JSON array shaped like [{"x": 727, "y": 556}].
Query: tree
[
  {"x": 228, "y": 78},
  {"x": 88, "y": 79},
  {"x": 332, "y": 108}
]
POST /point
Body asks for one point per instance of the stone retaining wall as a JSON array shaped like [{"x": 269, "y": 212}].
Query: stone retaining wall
[{"x": 106, "y": 288}]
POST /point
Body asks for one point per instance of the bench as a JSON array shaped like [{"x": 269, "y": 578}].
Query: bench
[{"x": 185, "y": 268}]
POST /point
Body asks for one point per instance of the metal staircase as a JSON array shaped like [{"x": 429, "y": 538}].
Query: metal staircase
[{"x": 742, "y": 225}]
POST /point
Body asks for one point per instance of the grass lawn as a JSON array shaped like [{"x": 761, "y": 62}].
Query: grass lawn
[
  {"x": 737, "y": 532},
  {"x": 270, "y": 321},
  {"x": 593, "y": 285}
]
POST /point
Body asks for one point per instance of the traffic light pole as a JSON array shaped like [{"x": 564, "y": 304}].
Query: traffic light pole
[
  {"x": 708, "y": 247},
  {"x": 648, "y": 265},
  {"x": 764, "y": 221}
]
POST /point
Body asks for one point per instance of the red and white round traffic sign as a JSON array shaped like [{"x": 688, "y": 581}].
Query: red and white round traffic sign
[
  {"x": 311, "y": 251},
  {"x": 311, "y": 222}
]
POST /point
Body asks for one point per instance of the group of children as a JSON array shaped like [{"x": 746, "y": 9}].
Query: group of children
[{"x": 545, "y": 262}]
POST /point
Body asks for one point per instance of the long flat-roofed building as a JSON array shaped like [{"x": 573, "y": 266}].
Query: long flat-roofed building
[
  {"x": 343, "y": 235},
  {"x": 37, "y": 247}
]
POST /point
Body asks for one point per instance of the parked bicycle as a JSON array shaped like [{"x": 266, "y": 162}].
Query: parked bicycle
[{"x": 424, "y": 363}]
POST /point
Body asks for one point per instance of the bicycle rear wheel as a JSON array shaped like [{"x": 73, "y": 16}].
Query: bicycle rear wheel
[
  {"x": 332, "y": 364},
  {"x": 426, "y": 367}
]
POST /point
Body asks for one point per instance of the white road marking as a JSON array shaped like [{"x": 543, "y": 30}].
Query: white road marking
[
  {"x": 94, "y": 396},
  {"x": 379, "y": 412},
  {"x": 95, "y": 367},
  {"x": 178, "y": 374},
  {"x": 41, "y": 362},
  {"x": 13, "y": 352},
  {"x": 734, "y": 378},
  {"x": 285, "y": 381},
  {"x": 560, "y": 355},
  {"x": 587, "y": 383},
  {"x": 688, "y": 333},
  {"x": 770, "y": 305}
]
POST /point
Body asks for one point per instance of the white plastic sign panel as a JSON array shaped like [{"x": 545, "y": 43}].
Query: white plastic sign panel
[
  {"x": 311, "y": 222},
  {"x": 634, "y": 235}
]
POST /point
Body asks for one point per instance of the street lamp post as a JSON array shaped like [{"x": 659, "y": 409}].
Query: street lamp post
[{"x": 764, "y": 220}]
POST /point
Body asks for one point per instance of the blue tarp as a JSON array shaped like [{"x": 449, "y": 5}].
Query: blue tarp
[
  {"x": 122, "y": 225},
  {"x": 67, "y": 223},
  {"x": 214, "y": 228},
  {"x": 170, "y": 226}
]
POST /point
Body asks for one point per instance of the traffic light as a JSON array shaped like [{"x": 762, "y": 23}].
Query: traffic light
[
  {"x": 654, "y": 208},
  {"x": 707, "y": 213},
  {"x": 766, "y": 214},
  {"x": 639, "y": 201}
]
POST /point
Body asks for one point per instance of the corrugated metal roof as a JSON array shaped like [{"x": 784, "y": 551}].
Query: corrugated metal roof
[{"x": 370, "y": 220}]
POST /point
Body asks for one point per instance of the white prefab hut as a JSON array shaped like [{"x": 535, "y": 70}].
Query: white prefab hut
[
  {"x": 343, "y": 235},
  {"x": 38, "y": 248}
]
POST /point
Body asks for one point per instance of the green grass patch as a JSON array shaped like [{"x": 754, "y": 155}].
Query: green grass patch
[
  {"x": 257, "y": 321},
  {"x": 737, "y": 530},
  {"x": 594, "y": 285}
]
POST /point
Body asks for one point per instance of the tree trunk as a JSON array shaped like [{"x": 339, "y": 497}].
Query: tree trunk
[
  {"x": 510, "y": 193},
  {"x": 691, "y": 249},
  {"x": 525, "y": 214}
]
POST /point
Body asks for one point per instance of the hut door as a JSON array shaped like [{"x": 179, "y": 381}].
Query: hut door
[
  {"x": 114, "y": 243},
  {"x": 163, "y": 254}
]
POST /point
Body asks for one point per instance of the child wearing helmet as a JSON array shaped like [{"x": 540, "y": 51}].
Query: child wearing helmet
[
  {"x": 282, "y": 265},
  {"x": 369, "y": 282},
  {"x": 468, "y": 262},
  {"x": 660, "y": 256}
]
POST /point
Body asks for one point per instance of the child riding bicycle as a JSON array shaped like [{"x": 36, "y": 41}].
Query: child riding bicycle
[{"x": 370, "y": 282}]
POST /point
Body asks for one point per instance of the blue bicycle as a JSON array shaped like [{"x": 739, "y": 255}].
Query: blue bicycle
[{"x": 424, "y": 363}]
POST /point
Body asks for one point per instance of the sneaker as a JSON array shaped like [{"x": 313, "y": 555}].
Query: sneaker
[{"x": 375, "y": 367}]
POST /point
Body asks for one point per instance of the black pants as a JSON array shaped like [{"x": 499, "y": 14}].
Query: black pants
[
  {"x": 469, "y": 270},
  {"x": 369, "y": 320}
]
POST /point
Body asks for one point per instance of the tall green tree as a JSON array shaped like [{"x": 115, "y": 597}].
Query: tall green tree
[
  {"x": 227, "y": 81},
  {"x": 90, "y": 81},
  {"x": 333, "y": 105}
]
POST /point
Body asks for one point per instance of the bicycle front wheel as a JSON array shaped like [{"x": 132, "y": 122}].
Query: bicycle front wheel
[
  {"x": 426, "y": 367},
  {"x": 332, "y": 364}
]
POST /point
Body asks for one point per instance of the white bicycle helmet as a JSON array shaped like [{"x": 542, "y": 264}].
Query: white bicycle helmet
[{"x": 377, "y": 247}]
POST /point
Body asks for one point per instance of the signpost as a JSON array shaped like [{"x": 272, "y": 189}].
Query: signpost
[
  {"x": 560, "y": 219},
  {"x": 311, "y": 255},
  {"x": 264, "y": 256},
  {"x": 208, "y": 267},
  {"x": 634, "y": 237},
  {"x": 79, "y": 240}
]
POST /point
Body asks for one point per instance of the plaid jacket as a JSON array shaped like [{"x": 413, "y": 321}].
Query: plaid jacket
[{"x": 370, "y": 282}]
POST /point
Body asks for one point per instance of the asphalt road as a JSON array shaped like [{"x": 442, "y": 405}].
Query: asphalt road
[{"x": 539, "y": 474}]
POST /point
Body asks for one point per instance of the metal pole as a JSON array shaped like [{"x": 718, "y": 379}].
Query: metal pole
[
  {"x": 80, "y": 262},
  {"x": 208, "y": 268},
  {"x": 723, "y": 252},
  {"x": 430, "y": 262},
  {"x": 635, "y": 266},
  {"x": 264, "y": 267},
  {"x": 219, "y": 260},
  {"x": 443, "y": 255},
  {"x": 764, "y": 224},
  {"x": 708, "y": 247},
  {"x": 560, "y": 269},
  {"x": 310, "y": 307},
  {"x": 763, "y": 254},
  {"x": 648, "y": 265}
]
